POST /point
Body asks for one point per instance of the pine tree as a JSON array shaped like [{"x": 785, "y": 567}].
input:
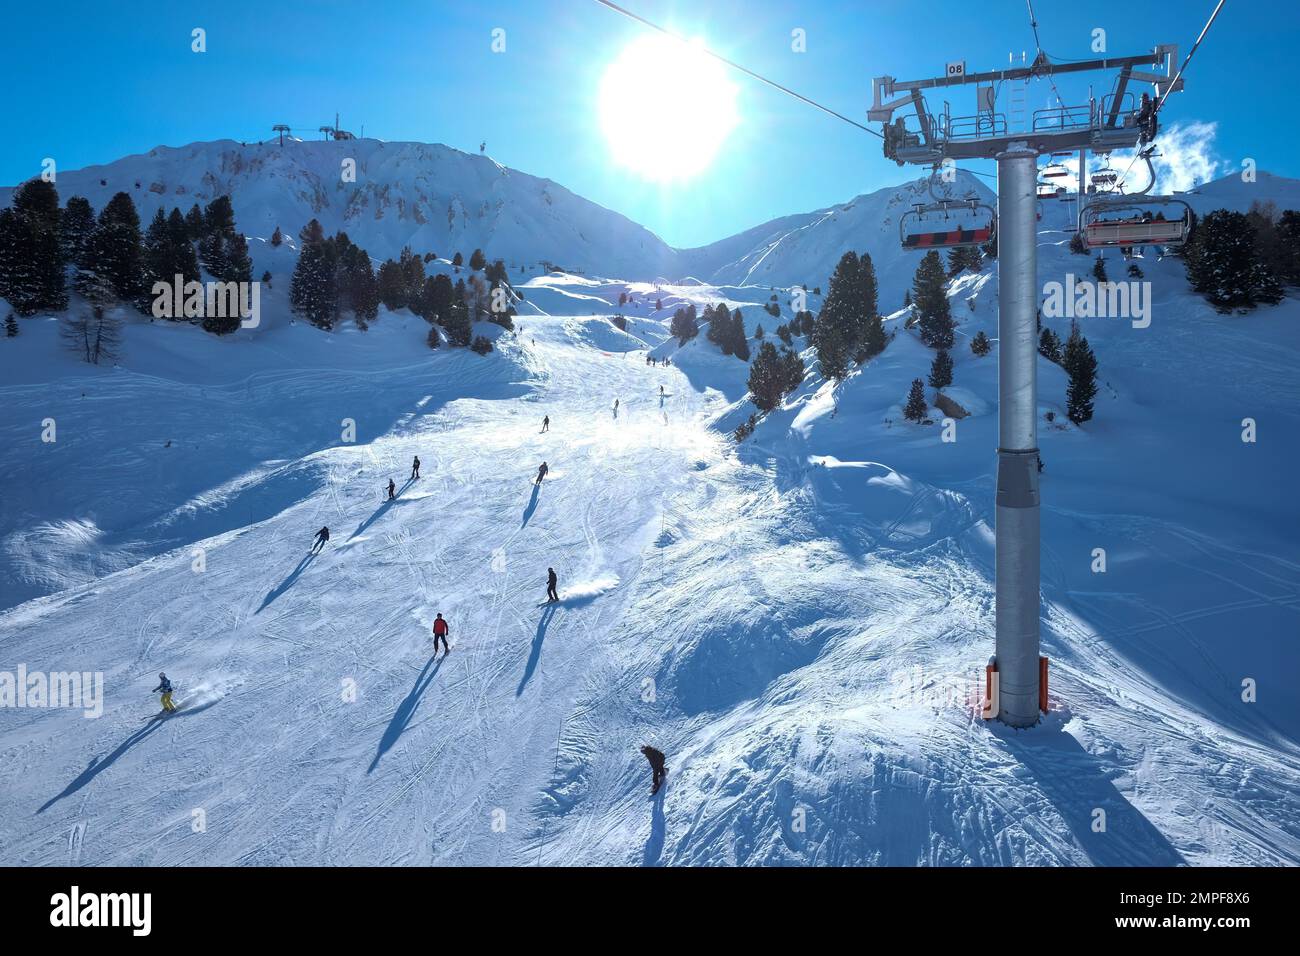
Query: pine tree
[
  {"x": 685, "y": 326},
  {"x": 840, "y": 328},
  {"x": 1224, "y": 265},
  {"x": 412, "y": 267},
  {"x": 76, "y": 227},
  {"x": 11, "y": 326},
  {"x": 773, "y": 374},
  {"x": 930, "y": 295},
  {"x": 737, "y": 339},
  {"x": 277, "y": 237},
  {"x": 941, "y": 370},
  {"x": 194, "y": 223},
  {"x": 438, "y": 297},
  {"x": 766, "y": 384},
  {"x": 116, "y": 258},
  {"x": 1081, "y": 366},
  {"x": 392, "y": 286},
  {"x": 457, "y": 260},
  {"x": 477, "y": 260},
  {"x": 980, "y": 345},
  {"x": 1049, "y": 346},
  {"x": 219, "y": 216},
  {"x": 916, "y": 406},
  {"x": 1099, "y": 269},
  {"x": 31, "y": 252},
  {"x": 313, "y": 293}
]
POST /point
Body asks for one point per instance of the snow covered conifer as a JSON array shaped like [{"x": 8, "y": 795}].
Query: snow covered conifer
[
  {"x": 1081, "y": 366},
  {"x": 916, "y": 406},
  {"x": 76, "y": 226},
  {"x": 1099, "y": 269},
  {"x": 838, "y": 328},
  {"x": 980, "y": 345},
  {"x": 930, "y": 295},
  {"x": 392, "y": 285},
  {"x": 116, "y": 256},
  {"x": 685, "y": 326},
  {"x": 1049, "y": 346},
  {"x": 477, "y": 260},
  {"x": 941, "y": 370},
  {"x": 31, "y": 254},
  {"x": 313, "y": 293},
  {"x": 277, "y": 237}
]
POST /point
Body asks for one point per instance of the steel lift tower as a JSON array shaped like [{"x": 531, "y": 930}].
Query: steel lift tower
[{"x": 1115, "y": 121}]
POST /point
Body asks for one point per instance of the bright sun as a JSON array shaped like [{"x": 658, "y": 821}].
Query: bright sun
[{"x": 666, "y": 107}]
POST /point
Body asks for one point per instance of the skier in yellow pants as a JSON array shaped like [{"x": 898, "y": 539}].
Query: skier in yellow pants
[{"x": 165, "y": 686}]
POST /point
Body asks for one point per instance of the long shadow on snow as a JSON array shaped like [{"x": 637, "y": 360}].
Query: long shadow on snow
[
  {"x": 287, "y": 582},
  {"x": 382, "y": 509},
  {"x": 97, "y": 766},
  {"x": 406, "y": 709},
  {"x": 1077, "y": 785},
  {"x": 536, "y": 653},
  {"x": 654, "y": 847},
  {"x": 532, "y": 506}
]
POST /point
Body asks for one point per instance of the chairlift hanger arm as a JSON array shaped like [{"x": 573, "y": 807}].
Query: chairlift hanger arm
[{"x": 887, "y": 85}]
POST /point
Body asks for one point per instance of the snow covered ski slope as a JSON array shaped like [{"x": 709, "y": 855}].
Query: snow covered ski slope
[{"x": 799, "y": 621}]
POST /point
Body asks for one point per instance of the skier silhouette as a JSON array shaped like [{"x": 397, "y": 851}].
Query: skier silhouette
[
  {"x": 551, "y": 582},
  {"x": 656, "y": 758},
  {"x": 440, "y": 633},
  {"x": 392, "y": 490},
  {"x": 541, "y": 472},
  {"x": 415, "y": 467},
  {"x": 322, "y": 536},
  {"x": 546, "y": 423}
]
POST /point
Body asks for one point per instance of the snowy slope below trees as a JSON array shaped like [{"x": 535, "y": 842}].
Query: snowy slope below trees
[{"x": 799, "y": 622}]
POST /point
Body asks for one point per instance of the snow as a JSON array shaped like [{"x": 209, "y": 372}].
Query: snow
[{"x": 799, "y": 622}]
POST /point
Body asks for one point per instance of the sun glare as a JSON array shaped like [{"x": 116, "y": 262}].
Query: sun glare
[{"x": 666, "y": 107}]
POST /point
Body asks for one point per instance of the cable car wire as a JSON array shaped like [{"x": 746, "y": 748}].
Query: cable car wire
[{"x": 736, "y": 66}]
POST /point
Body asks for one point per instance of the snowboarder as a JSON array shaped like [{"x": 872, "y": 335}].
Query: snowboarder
[
  {"x": 551, "y": 582},
  {"x": 415, "y": 467},
  {"x": 541, "y": 472},
  {"x": 322, "y": 536},
  {"x": 165, "y": 686},
  {"x": 661, "y": 391},
  {"x": 440, "y": 633},
  {"x": 546, "y": 423},
  {"x": 616, "y": 406},
  {"x": 392, "y": 490},
  {"x": 656, "y": 758}
]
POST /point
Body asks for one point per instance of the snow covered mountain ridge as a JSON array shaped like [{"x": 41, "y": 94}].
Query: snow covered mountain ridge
[{"x": 434, "y": 198}]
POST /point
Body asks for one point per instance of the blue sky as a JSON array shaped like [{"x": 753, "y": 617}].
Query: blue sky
[{"x": 90, "y": 82}]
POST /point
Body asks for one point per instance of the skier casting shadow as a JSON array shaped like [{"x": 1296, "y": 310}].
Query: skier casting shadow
[
  {"x": 384, "y": 506},
  {"x": 287, "y": 582},
  {"x": 406, "y": 709},
  {"x": 536, "y": 654},
  {"x": 97, "y": 766}
]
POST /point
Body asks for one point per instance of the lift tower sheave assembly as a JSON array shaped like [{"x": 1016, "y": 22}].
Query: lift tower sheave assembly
[{"x": 1116, "y": 121}]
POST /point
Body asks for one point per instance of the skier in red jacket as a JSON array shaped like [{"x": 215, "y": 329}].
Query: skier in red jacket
[{"x": 440, "y": 634}]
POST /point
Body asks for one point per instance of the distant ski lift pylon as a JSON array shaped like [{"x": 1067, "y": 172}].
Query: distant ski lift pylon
[{"x": 947, "y": 224}]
